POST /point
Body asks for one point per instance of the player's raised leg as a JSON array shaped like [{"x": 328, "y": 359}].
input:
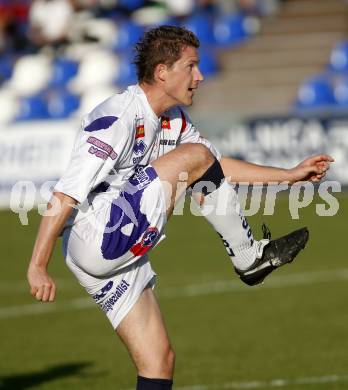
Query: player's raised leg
[
  {"x": 144, "y": 334},
  {"x": 192, "y": 160},
  {"x": 253, "y": 260}
]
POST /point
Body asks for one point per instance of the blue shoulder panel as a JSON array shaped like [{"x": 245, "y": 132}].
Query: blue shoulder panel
[{"x": 101, "y": 123}]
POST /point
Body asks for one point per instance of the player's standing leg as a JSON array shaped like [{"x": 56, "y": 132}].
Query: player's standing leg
[
  {"x": 144, "y": 333},
  {"x": 143, "y": 330}
]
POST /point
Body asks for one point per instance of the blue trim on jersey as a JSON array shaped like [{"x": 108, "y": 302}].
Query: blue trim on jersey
[
  {"x": 115, "y": 244},
  {"x": 101, "y": 123}
]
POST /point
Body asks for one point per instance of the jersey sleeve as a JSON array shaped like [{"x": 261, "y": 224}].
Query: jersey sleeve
[
  {"x": 99, "y": 147},
  {"x": 189, "y": 134}
]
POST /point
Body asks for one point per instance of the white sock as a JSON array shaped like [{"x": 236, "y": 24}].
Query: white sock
[{"x": 222, "y": 209}]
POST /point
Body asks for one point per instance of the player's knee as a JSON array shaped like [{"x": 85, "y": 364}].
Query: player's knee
[
  {"x": 199, "y": 154},
  {"x": 163, "y": 366},
  {"x": 171, "y": 359},
  {"x": 205, "y": 155},
  {"x": 166, "y": 362}
]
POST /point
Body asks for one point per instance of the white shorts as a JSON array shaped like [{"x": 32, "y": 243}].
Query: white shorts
[
  {"x": 117, "y": 294},
  {"x": 107, "y": 251}
]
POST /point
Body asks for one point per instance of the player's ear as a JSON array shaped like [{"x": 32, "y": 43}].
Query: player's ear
[{"x": 161, "y": 72}]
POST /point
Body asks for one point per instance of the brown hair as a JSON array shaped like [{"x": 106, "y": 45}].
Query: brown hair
[{"x": 161, "y": 45}]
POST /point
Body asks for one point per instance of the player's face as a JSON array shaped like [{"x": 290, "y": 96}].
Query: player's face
[{"x": 183, "y": 77}]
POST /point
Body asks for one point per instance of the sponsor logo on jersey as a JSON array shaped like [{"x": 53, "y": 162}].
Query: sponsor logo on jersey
[
  {"x": 168, "y": 142},
  {"x": 136, "y": 160},
  {"x": 148, "y": 240},
  {"x": 103, "y": 146},
  {"x": 139, "y": 147},
  {"x": 165, "y": 122},
  {"x": 98, "y": 153},
  {"x": 121, "y": 288},
  {"x": 139, "y": 128}
]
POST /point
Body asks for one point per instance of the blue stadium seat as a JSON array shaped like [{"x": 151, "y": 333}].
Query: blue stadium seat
[
  {"x": 339, "y": 57},
  {"x": 61, "y": 103},
  {"x": 6, "y": 66},
  {"x": 169, "y": 21},
  {"x": 126, "y": 73},
  {"x": 340, "y": 92},
  {"x": 208, "y": 62},
  {"x": 128, "y": 34},
  {"x": 202, "y": 25},
  {"x": 63, "y": 70},
  {"x": 315, "y": 93},
  {"x": 229, "y": 30},
  {"x": 131, "y": 5},
  {"x": 31, "y": 108}
]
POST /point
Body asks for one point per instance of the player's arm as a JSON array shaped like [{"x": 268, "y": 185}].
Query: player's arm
[
  {"x": 311, "y": 169},
  {"x": 60, "y": 207}
]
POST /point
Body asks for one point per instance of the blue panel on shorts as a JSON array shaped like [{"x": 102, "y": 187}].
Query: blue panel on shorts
[{"x": 115, "y": 243}]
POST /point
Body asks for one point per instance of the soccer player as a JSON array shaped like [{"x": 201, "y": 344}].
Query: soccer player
[{"x": 135, "y": 155}]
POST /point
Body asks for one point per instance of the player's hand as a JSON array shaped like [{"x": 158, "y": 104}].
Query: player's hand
[
  {"x": 42, "y": 286},
  {"x": 312, "y": 169}
]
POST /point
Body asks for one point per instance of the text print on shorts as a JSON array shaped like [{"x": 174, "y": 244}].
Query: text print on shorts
[{"x": 109, "y": 303}]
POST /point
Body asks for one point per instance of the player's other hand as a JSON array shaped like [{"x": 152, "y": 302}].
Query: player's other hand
[
  {"x": 312, "y": 169},
  {"x": 42, "y": 286}
]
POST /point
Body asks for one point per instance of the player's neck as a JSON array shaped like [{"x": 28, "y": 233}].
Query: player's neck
[{"x": 157, "y": 98}]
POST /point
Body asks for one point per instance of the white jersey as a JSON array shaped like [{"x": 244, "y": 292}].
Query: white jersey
[
  {"x": 119, "y": 134},
  {"x": 122, "y": 211}
]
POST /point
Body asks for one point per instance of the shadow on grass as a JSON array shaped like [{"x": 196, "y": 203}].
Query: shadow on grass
[{"x": 27, "y": 381}]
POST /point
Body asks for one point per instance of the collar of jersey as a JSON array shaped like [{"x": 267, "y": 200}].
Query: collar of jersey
[{"x": 141, "y": 95}]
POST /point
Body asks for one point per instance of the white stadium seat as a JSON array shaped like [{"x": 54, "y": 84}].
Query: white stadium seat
[
  {"x": 104, "y": 30},
  {"x": 31, "y": 74},
  {"x": 91, "y": 98},
  {"x": 97, "y": 68}
]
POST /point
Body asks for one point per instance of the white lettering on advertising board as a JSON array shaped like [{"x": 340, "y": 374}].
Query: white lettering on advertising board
[{"x": 35, "y": 152}]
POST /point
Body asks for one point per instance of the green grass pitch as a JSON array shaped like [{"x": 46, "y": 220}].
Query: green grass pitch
[{"x": 226, "y": 335}]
